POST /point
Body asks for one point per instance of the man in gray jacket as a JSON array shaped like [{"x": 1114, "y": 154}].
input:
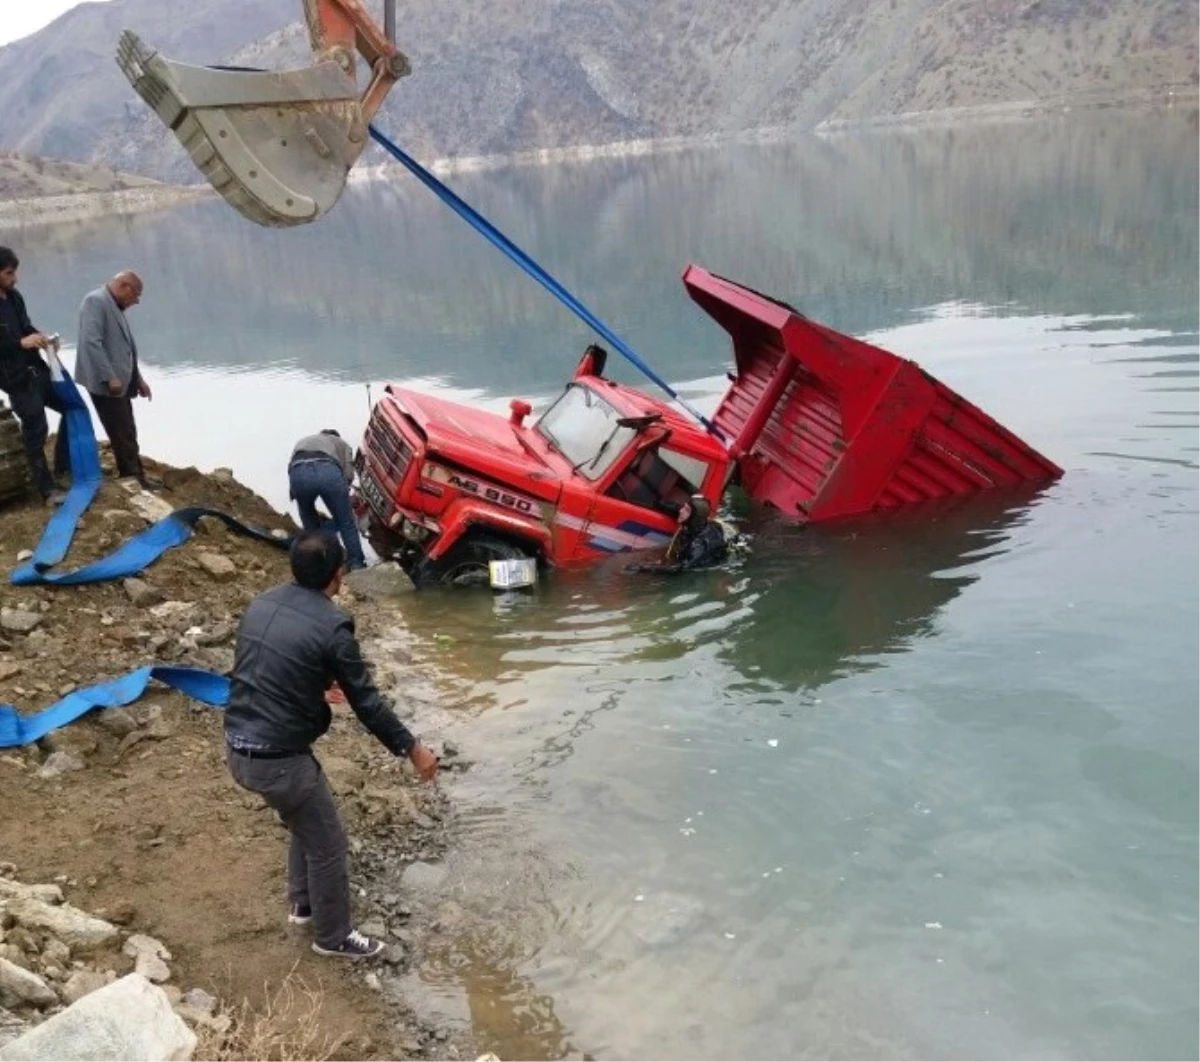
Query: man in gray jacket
[
  {"x": 322, "y": 467},
  {"x": 106, "y": 365}
]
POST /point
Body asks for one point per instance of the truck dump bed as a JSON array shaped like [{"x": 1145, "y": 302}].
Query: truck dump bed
[{"x": 825, "y": 426}]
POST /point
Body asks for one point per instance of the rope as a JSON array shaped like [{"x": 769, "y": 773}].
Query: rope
[{"x": 497, "y": 239}]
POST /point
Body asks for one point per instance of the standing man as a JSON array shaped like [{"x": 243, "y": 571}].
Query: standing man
[
  {"x": 292, "y": 644},
  {"x": 322, "y": 466},
  {"x": 106, "y": 364},
  {"x": 25, "y": 379}
]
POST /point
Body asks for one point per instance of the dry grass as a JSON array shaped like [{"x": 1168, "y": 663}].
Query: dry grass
[{"x": 285, "y": 1028}]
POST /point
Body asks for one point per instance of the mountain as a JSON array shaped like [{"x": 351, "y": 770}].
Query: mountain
[
  {"x": 513, "y": 75},
  {"x": 61, "y": 93}
]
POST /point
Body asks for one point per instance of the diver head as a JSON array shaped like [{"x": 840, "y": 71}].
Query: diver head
[{"x": 693, "y": 514}]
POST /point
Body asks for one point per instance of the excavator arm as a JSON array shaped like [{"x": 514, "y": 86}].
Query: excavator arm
[{"x": 278, "y": 145}]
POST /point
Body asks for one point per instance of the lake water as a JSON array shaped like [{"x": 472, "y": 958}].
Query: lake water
[{"x": 922, "y": 790}]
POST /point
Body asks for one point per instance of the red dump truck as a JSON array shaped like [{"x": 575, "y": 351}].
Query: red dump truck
[{"x": 815, "y": 423}]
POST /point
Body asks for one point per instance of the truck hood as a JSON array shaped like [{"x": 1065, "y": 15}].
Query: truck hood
[{"x": 453, "y": 429}]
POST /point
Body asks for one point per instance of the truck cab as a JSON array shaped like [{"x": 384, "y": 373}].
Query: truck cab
[{"x": 445, "y": 488}]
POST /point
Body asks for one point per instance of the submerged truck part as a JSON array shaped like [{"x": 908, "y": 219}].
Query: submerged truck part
[
  {"x": 277, "y": 145},
  {"x": 824, "y": 426}
]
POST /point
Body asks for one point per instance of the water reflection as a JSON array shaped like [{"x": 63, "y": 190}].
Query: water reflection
[
  {"x": 832, "y": 601},
  {"x": 803, "y": 606},
  {"x": 860, "y": 232}
]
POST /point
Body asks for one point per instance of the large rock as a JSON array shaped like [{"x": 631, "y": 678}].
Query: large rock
[
  {"x": 148, "y": 955},
  {"x": 19, "y": 986},
  {"x": 60, "y": 763},
  {"x": 117, "y": 721},
  {"x": 422, "y": 877},
  {"x": 198, "y": 999},
  {"x": 83, "y": 983},
  {"x": 142, "y": 594},
  {"x": 56, "y": 952},
  {"x": 15, "y": 890},
  {"x": 75, "y": 928},
  {"x": 173, "y": 610},
  {"x": 18, "y": 620},
  {"x": 77, "y": 740},
  {"x": 129, "y": 1019},
  {"x": 219, "y": 567},
  {"x": 150, "y": 508}
]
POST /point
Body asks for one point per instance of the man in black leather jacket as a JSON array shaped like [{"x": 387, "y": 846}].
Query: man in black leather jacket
[
  {"x": 699, "y": 543},
  {"x": 293, "y": 643},
  {"x": 25, "y": 379}
]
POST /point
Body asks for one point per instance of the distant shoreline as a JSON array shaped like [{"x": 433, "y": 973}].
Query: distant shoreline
[
  {"x": 1165, "y": 99},
  {"x": 84, "y": 206},
  {"x": 617, "y": 149}
]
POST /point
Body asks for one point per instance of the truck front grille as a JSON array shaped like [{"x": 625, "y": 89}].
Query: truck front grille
[{"x": 391, "y": 453}]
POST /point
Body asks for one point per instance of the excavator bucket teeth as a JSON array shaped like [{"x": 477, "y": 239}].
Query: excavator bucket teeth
[{"x": 277, "y": 145}]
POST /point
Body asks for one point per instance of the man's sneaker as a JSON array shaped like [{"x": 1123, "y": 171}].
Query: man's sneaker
[
  {"x": 355, "y": 946},
  {"x": 299, "y": 915}
]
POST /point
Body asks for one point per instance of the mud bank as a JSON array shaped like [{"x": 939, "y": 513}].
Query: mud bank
[{"x": 132, "y": 813}]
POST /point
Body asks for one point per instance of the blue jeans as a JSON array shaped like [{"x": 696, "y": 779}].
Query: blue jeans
[{"x": 310, "y": 480}]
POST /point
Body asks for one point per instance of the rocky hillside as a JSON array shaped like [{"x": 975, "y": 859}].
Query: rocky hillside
[
  {"x": 29, "y": 177},
  {"x": 516, "y": 74},
  {"x": 967, "y": 54}
]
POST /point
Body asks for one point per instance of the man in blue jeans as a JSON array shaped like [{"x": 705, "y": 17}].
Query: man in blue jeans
[{"x": 322, "y": 467}]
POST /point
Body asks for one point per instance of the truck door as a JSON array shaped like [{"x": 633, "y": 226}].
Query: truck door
[{"x": 640, "y": 500}]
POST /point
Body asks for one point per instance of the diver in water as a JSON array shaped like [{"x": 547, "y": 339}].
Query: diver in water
[{"x": 700, "y": 541}]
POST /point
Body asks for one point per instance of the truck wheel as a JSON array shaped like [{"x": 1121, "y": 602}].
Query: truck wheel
[
  {"x": 14, "y": 469},
  {"x": 465, "y": 563}
]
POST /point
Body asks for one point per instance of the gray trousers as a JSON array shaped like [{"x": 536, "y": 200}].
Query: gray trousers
[{"x": 317, "y": 873}]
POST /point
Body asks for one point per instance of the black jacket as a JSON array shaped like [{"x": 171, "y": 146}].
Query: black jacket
[
  {"x": 691, "y": 549},
  {"x": 292, "y": 644},
  {"x": 701, "y": 549},
  {"x": 15, "y": 360}
]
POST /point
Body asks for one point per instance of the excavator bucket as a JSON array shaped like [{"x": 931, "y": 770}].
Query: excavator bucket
[
  {"x": 824, "y": 426},
  {"x": 278, "y": 146}
]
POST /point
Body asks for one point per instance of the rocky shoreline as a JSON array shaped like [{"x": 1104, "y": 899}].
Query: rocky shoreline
[
  {"x": 130, "y": 814},
  {"x": 54, "y": 955}
]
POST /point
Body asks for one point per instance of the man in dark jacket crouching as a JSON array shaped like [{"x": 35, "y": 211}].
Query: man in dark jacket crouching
[{"x": 292, "y": 645}]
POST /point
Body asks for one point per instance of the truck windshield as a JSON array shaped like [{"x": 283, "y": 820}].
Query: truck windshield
[{"x": 584, "y": 429}]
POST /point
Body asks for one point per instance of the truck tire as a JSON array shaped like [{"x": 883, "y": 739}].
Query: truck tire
[
  {"x": 14, "y": 469},
  {"x": 465, "y": 563}
]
